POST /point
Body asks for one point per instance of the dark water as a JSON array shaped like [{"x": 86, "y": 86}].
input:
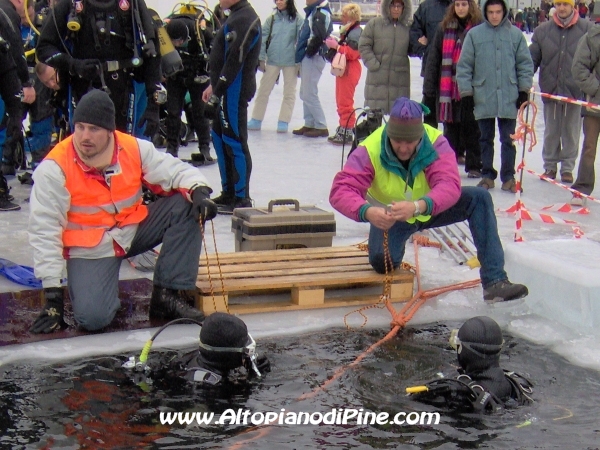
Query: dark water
[{"x": 93, "y": 403}]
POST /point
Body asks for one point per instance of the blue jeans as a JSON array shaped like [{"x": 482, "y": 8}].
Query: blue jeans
[
  {"x": 508, "y": 151},
  {"x": 476, "y": 206},
  {"x": 310, "y": 74}
]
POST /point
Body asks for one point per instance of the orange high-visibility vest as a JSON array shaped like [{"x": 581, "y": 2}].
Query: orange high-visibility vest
[{"x": 95, "y": 207}]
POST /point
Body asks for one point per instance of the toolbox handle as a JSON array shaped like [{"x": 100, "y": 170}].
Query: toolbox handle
[{"x": 284, "y": 201}]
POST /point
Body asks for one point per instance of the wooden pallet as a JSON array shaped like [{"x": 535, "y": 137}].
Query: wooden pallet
[{"x": 306, "y": 273}]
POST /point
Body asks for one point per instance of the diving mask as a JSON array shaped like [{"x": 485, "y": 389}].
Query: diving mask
[
  {"x": 248, "y": 352},
  {"x": 483, "y": 350}
]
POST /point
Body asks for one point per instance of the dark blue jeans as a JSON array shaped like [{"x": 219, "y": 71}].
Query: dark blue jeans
[
  {"x": 508, "y": 152},
  {"x": 476, "y": 206}
]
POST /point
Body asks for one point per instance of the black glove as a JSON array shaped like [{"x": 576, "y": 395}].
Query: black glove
[
  {"x": 522, "y": 98},
  {"x": 211, "y": 108},
  {"x": 431, "y": 118},
  {"x": 467, "y": 107},
  {"x": 467, "y": 103},
  {"x": 51, "y": 317},
  {"x": 205, "y": 207},
  {"x": 85, "y": 68},
  {"x": 150, "y": 119}
]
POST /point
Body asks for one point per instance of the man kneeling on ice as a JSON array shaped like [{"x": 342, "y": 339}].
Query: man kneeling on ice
[
  {"x": 86, "y": 207},
  {"x": 482, "y": 385},
  {"x": 403, "y": 178}
]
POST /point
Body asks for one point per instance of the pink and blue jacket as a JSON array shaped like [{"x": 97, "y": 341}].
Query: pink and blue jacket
[{"x": 436, "y": 159}]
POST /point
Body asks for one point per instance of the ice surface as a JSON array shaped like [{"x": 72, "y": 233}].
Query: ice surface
[
  {"x": 557, "y": 268},
  {"x": 563, "y": 277}
]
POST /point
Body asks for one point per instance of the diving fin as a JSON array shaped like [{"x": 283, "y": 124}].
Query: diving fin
[{"x": 22, "y": 275}]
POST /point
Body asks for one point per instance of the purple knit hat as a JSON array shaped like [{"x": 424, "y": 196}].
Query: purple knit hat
[{"x": 406, "y": 121}]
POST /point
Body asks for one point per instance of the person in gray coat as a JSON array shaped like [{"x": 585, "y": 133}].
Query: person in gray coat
[
  {"x": 552, "y": 48},
  {"x": 586, "y": 72},
  {"x": 384, "y": 48},
  {"x": 495, "y": 74}
]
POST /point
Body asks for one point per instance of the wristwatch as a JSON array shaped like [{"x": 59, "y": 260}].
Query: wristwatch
[{"x": 417, "y": 212}]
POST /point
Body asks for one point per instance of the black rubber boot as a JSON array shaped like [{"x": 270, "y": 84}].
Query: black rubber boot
[
  {"x": 205, "y": 151},
  {"x": 6, "y": 200},
  {"x": 167, "y": 304}
]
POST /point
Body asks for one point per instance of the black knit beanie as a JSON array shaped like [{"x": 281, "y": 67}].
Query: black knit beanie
[{"x": 96, "y": 108}]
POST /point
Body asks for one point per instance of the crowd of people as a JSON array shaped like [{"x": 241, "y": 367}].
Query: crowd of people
[{"x": 471, "y": 80}]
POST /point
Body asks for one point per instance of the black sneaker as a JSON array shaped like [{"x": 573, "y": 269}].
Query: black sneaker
[
  {"x": 239, "y": 202},
  {"x": 205, "y": 152},
  {"x": 167, "y": 304},
  {"x": 504, "y": 291},
  {"x": 203, "y": 158},
  {"x": 6, "y": 204},
  {"x": 224, "y": 199}
]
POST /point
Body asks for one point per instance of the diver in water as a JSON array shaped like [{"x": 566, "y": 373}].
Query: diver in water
[
  {"x": 226, "y": 355},
  {"x": 226, "y": 352},
  {"x": 482, "y": 385}
]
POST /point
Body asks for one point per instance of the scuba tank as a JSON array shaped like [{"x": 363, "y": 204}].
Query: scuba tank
[{"x": 170, "y": 60}]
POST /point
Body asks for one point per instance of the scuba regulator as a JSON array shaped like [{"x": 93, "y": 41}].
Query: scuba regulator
[
  {"x": 211, "y": 363},
  {"x": 73, "y": 20}
]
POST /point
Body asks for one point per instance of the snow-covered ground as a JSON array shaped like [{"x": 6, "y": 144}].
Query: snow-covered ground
[{"x": 563, "y": 273}]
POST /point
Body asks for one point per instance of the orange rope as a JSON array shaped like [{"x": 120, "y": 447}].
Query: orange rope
[
  {"x": 399, "y": 321},
  {"x": 524, "y": 128},
  {"x": 424, "y": 241}
]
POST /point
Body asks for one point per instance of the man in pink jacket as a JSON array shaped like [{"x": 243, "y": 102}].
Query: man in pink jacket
[{"x": 403, "y": 179}]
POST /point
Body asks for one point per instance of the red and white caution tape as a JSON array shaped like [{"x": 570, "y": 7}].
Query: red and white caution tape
[
  {"x": 573, "y": 101},
  {"x": 556, "y": 183},
  {"x": 525, "y": 214},
  {"x": 566, "y": 208}
]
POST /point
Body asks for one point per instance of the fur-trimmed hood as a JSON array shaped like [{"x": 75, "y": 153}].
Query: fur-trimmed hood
[{"x": 405, "y": 17}]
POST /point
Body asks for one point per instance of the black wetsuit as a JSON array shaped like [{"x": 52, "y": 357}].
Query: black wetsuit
[
  {"x": 194, "y": 56},
  {"x": 10, "y": 26},
  {"x": 9, "y": 85},
  {"x": 486, "y": 391},
  {"x": 233, "y": 62},
  {"x": 116, "y": 43}
]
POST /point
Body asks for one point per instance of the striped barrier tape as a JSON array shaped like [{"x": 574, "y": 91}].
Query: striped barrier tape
[
  {"x": 573, "y": 101},
  {"x": 556, "y": 183},
  {"x": 567, "y": 208}
]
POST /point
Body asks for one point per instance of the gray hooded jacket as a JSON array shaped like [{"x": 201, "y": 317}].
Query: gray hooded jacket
[
  {"x": 494, "y": 66},
  {"x": 384, "y": 49}
]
